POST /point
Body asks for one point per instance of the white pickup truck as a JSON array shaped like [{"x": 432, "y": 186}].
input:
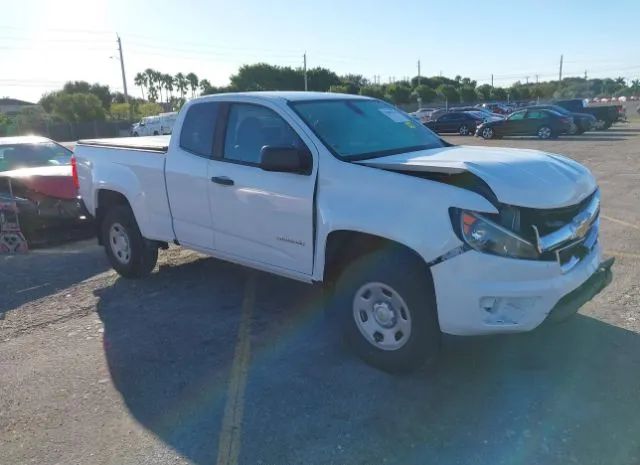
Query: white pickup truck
[{"x": 414, "y": 236}]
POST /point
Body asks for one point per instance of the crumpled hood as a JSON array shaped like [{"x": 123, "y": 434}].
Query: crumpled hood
[
  {"x": 525, "y": 178},
  {"x": 53, "y": 181}
]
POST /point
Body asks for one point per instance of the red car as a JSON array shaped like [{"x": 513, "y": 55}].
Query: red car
[{"x": 35, "y": 173}]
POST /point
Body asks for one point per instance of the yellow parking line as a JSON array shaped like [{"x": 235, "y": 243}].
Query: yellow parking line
[
  {"x": 230, "y": 432},
  {"x": 624, "y": 223}
]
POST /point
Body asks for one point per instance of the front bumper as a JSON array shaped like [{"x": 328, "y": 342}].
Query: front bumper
[{"x": 478, "y": 293}]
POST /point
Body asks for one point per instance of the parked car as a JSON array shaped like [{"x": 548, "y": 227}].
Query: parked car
[
  {"x": 498, "y": 108},
  {"x": 582, "y": 121},
  {"x": 545, "y": 124},
  {"x": 42, "y": 184},
  {"x": 461, "y": 122},
  {"x": 413, "y": 236},
  {"x": 487, "y": 115},
  {"x": 605, "y": 115},
  {"x": 158, "y": 125},
  {"x": 423, "y": 114}
]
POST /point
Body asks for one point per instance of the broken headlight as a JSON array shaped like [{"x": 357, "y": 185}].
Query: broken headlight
[{"x": 485, "y": 235}]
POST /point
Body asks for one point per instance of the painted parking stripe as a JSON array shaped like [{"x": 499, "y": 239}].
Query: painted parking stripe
[
  {"x": 230, "y": 432},
  {"x": 624, "y": 223}
]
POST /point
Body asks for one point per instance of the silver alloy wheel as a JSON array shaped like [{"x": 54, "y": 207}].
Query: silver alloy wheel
[
  {"x": 464, "y": 130},
  {"x": 382, "y": 316},
  {"x": 544, "y": 132},
  {"x": 119, "y": 243},
  {"x": 487, "y": 133},
  {"x": 599, "y": 124}
]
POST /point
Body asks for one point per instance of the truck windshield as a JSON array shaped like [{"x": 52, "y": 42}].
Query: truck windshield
[{"x": 360, "y": 129}]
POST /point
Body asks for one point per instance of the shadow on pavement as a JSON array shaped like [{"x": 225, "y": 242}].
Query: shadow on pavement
[
  {"x": 564, "y": 394},
  {"x": 42, "y": 272}
]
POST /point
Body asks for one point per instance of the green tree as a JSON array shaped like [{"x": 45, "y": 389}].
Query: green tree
[
  {"x": 141, "y": 80},
  {"x": 78, "y": 107},
  {"x": 148, "y": 109},
  {"x": 166, "y": 81},
  {"x": 205, "y": 85},
  {"x": 449, "y": 93},
  {"x": 425, "y": 93},
  {"x": 193, "y": 83},
  {"x": 399, "y": 93},
  {"x": 374, "y": 91},
  {"x": 120, "y": 111},
  {"x": 468, "y": 94},
  {"x": 181, "y": 83},
  {"x": 498, "y": 93},
  {"x": 484, "y": 91}
]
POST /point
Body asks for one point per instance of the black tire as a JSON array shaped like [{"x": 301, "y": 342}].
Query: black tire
[
  {"x": 488, "y": 133},
  {"x": 155, "y": 133},
  {"x": 411, "y": 280},
  {"x": 580, "y": 131},
  {"x": 545, "y": 132},
  {"x": 135, "y": 134},
  {"x": 142, "y": 253},
  {"x": 607, "y": 125},
  {"x": 464, "y": 130}
]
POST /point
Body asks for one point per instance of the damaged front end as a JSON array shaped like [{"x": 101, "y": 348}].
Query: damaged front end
[{"x": 565, "y": 235}]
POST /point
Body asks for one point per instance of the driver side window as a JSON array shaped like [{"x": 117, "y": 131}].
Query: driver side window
[
  {"x": 517, "y": 116},
  {"x": 251, "y": 127}
]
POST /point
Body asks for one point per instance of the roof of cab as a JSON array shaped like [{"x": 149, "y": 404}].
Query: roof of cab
[
  {"x": 290, "y": 96},
  {"x": 23, "y": 140}
]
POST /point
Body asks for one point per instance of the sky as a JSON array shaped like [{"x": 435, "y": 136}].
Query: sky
[{"x": 44, "y": 43}]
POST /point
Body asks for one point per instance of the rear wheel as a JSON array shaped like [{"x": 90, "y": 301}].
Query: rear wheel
[
  {"x": 488, "y": 133},
  {"x": 545, "y": 132},
  {"x": 155, "y": 133},
  {"x": 463, "y": 130},
  {"x": 130, "y": 254},
  {"x": 384, "y": 302}
]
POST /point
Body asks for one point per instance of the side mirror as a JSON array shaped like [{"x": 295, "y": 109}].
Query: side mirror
[{"x": 286, "y": 160}]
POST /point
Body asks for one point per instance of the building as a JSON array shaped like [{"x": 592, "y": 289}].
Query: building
[{"x": 13, "y": 106}]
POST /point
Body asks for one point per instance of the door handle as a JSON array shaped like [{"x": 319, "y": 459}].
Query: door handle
[{"x": 225, "y": 181}]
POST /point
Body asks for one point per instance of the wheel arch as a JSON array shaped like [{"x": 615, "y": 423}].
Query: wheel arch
[
  {"x": 343, "y": 246},
  {"x": 105, "y": 199}
]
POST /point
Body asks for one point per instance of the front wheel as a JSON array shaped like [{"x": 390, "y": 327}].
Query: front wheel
[
  {"x": 385, "y": 304},
  {"x": 463, "y": 130},
  {"x": 545, "y": 132},
  {"x": 130, "y": 254},
  {"x": 488, "y": 133}
]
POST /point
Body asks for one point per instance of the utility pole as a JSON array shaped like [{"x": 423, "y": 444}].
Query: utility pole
[
  {"x": 492, "y": 81},
  {"x": 527, "y": 78},
  {"x": 585, "y": 74},
  {"x": 536, "y": 79},
  {"x": 560, "y": 72},
  {"x": 305, "y": 71},
  {"x": 418, "y": 72},
  {"x": 124, "y": 79}
]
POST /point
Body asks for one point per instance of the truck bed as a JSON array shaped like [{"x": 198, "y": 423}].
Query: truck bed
[{"x": 158, "y": 144}]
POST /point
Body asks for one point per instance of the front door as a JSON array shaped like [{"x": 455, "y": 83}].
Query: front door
[{"x": 260, "y": 216}]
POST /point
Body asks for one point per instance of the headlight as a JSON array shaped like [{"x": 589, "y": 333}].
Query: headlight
[{"x": 484, "y": 235}]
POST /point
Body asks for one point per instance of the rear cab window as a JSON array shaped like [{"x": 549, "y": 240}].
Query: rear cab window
[{"x": 198, "y": 128}]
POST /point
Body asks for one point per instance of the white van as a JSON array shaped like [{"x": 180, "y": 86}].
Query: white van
[{"x": 161, "y": 124}]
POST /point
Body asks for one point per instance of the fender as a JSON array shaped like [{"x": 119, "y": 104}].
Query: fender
[{"x": 364, "y": 199}]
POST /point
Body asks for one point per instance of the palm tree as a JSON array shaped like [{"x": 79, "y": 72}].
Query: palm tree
[
  {"x": 141, "y": 80},
  {"x": 167, "y": 81},
  {"x": 193, "y": 83},
  {"x": 620, "y": 80},
  {"x": 181, "y": 84},
  {"x": 635, "y": 85},
  {"x": 153, "y": 83},
  {"x": 205, "y": 86}
]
